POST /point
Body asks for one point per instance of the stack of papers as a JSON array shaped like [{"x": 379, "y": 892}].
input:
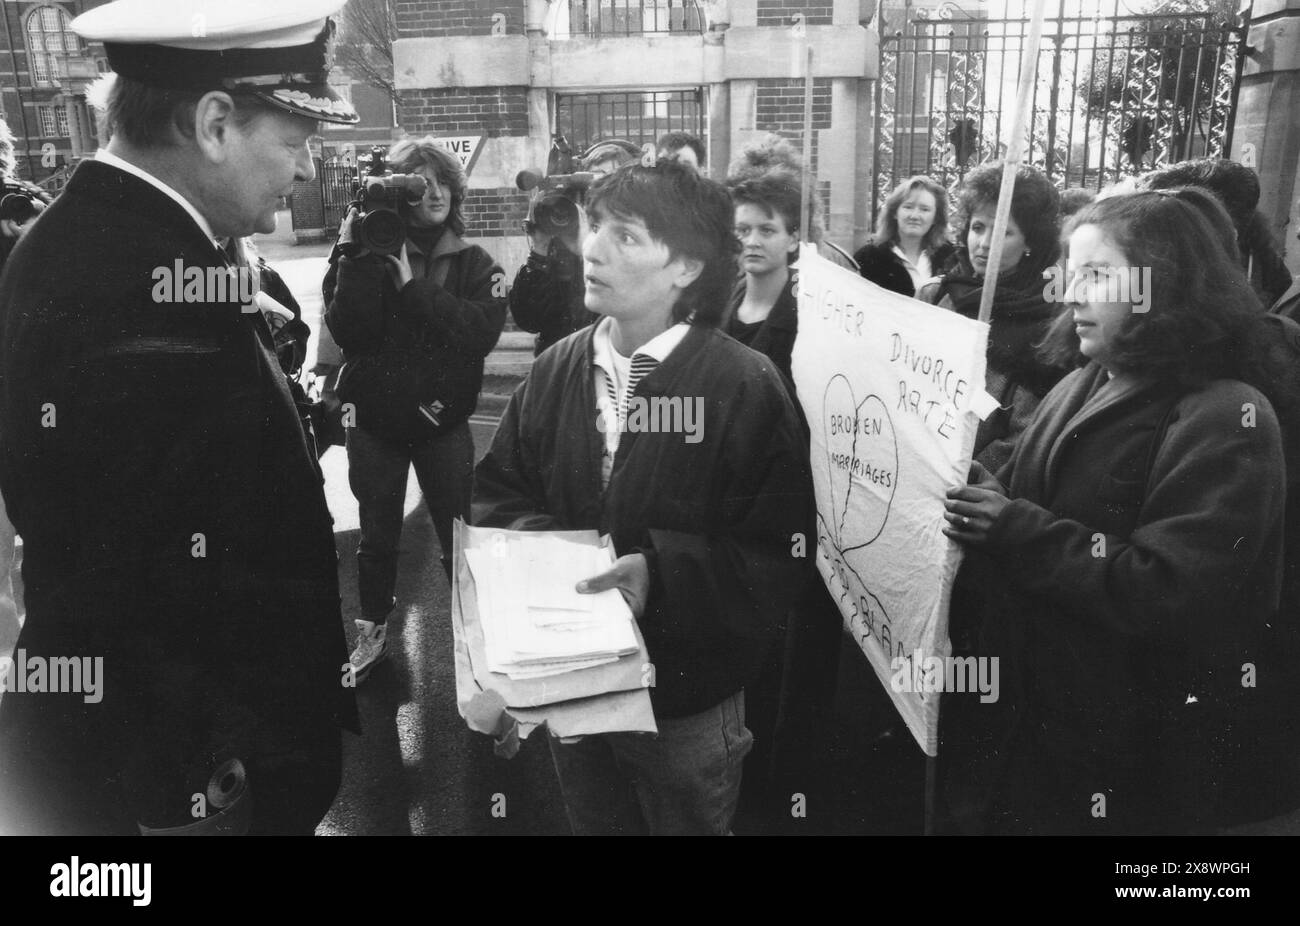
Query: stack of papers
[{"x": 534, "y": 622}]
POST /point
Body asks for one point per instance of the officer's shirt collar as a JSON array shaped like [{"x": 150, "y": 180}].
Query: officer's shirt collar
[{"x": 114, "y": 161}]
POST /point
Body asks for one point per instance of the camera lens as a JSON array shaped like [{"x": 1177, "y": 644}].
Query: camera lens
[
  {"x": 382, "y": 231},
  {"x": 556, "y": 215},
  {"x": 17, "y": 206},
  {"x": 564, "y": 214}
]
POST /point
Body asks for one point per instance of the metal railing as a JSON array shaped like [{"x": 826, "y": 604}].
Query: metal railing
[
  {"x": 633, "y": 17},
  {"x": 640, "y": 117},
  {"x": 1115, "y": 95},
  {"x": 55, "y": 182}
]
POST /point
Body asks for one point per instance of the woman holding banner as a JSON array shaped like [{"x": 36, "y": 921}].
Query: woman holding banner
[
  {"x": 1124, "y": 569},
  {"x": 1022, "y": 313}
]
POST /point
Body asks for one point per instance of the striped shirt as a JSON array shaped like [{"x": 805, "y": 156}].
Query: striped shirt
[{"x": 616, "y": 379}]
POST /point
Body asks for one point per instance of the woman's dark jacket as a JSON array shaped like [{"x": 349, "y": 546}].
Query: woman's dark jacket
[
  {"x": 774, "y": 338},
  {"x": 1122, "y": 590},
  {"x": 423, "y": 346},
  {"x": 713, "y": 515},
  {"x": 1015, "y": 376},
  {"x": 882, "y": 266}
]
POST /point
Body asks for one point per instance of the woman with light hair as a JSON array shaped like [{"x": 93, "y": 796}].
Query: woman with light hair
[{"x": 911, "y": 244}]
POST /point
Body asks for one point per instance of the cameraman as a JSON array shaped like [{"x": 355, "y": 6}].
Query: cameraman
[
  {"x": 547, "y": 295},
  {"x": 414, "y": 328}
]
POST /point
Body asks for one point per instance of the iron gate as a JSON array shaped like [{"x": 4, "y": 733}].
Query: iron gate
[
  {"x": 338, "y": 181},
  {"x": 1116, "y": 93}
]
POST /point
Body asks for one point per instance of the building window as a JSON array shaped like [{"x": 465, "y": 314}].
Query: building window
[
  {"x": 640, "y": 117},
  {"x": 625, "y": 17},
  {"x": 54, "y": 121},
  {"x": 48, "y": 38}
]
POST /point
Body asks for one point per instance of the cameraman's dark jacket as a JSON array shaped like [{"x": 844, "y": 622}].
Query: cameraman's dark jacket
[
  {"x": 422, "y": 346},
  {"x": 548, "y": 294}
]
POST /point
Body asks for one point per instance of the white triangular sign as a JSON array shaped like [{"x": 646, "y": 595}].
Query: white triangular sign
[{"x": 465, "y": 147}]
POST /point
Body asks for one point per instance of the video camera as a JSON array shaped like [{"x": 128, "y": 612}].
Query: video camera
[
  {"x": 380, "y": 226},
  {"x": 16, "y": 202},
  {"x": 554, "y": 208}
]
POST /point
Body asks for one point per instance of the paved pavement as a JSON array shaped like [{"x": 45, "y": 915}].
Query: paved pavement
[{"x": 417, "y": 769}]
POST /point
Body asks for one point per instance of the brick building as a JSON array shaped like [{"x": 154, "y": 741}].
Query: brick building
[
  {"x": 44, "y": 71},
  {"x": 519, "y": 71}
]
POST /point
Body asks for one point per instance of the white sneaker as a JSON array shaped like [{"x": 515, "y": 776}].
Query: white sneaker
[{"x": 372, "y": 647}]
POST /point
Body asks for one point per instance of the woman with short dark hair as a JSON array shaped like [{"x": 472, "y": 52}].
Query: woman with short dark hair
[
  {"x": 701, "y": 522},
  {"x": 762, "y": 313}
]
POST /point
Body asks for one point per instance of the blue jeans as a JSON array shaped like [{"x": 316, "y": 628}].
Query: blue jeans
[
  {"x": 685, "y": 781},
  {"x": 377, "y": 471}
]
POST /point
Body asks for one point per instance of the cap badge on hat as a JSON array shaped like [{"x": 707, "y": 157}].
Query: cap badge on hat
[
  {"x": 323, "y": 106},
  {"x": 277, "y": 52}
]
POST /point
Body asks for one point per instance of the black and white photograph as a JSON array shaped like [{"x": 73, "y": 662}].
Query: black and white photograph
[{"x": 868, "y": 418}]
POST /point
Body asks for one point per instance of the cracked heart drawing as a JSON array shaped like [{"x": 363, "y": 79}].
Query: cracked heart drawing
[{"x": 862, "y": 460}]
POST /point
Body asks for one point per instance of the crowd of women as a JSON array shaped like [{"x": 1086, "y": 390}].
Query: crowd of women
[
  {"x": 1130, "y": 506},
  {"x": 1128, "y": 513}
]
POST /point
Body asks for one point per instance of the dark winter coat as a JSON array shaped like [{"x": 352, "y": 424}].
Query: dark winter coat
[
  {"x": 715, "y": 518},
  {"x": 774, "y": 338},
  {"x": 883, "y": 267},
  {"x": 423, "y": 346},
  {"x": 547, "y": 296},
  {"x": 1123, "y": 588},
  {"x": 173, "y": 524},
  {"x": 1014, "y": 374}
]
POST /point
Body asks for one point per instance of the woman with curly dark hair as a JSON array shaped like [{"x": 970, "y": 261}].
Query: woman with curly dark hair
[
  {"x": 911, "y": 244},
  {"x": 1124, "y": 564},
  {"x": 1016, "y": 376}
]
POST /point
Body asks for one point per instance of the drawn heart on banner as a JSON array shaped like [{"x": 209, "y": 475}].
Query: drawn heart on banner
[{"x": 862, "y": 461}]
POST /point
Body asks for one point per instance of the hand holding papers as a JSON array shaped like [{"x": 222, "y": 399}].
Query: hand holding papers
[
  {"x": 535, "y": 622},
  {"x": 630, "y": 575},
  {"x": 609, "y": 695}
]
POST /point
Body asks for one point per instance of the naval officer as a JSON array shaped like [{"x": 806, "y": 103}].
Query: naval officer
[{"x": 173, "y": 522}]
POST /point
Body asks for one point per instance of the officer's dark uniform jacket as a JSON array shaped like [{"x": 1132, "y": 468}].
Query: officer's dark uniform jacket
[{"x": 173, "y": 524}]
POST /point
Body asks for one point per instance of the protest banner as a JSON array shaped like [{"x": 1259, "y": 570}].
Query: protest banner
[{"x": 890, "y": 387}]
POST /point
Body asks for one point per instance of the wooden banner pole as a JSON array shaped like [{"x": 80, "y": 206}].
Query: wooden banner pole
[
  {"x": 1015, "y": 150},
  {"x": 806, "y": 191}
]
